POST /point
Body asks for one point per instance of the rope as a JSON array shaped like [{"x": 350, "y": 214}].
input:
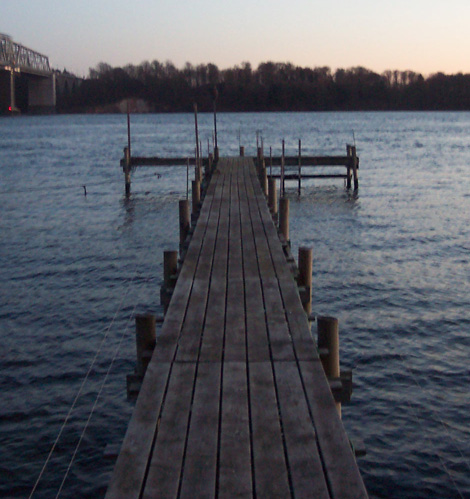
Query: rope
[
  {"x": 77, "y": 396},
  {"x": 96, "y": 402}
]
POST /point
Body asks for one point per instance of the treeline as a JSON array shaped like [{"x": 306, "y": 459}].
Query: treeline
[{"x": 269, "y": 87}]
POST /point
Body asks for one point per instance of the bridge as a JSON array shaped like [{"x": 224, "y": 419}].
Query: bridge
[{"x": 27, "y": 83}]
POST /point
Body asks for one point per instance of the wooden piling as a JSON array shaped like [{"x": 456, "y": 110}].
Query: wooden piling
[
  {"x": 184, "y": 219},
  {"x": 272, "y": 196},
  {"x": 196, "y": 197},
  {"x": 145, "y": 337},
  {"x": 354, "y": 167},
  {"x": 283, "y": 165},
  {"x": 197, "y": 134},
  {"x": 242, "y": 151},
  {"x": 349, "y": 167},
  {"x": 305, "y": 277},
  {"x": 284, "y": 217},
  {"x": 264, "y": 179},
  {"x": 170, "y": 267},
  {"x": 328, "y": 346},
  {"x": 127, "y": 170},
  {"x": 170, "y": 270},
  {"x": 300, "y": 167}
]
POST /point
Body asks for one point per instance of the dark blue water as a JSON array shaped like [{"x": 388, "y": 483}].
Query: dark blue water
[{"x": 392, "y": 264}]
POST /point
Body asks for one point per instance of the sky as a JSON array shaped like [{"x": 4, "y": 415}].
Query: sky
[{"x": 425, "y": 36}]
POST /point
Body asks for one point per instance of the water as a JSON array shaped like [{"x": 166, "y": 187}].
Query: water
[{"x": 392, "y": 264}]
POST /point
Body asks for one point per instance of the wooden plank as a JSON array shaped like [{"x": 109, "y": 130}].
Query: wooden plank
[
  {"x": 340, "y": 465},
  {"x": 159, "y": 161},
  {"x": 304, "y": 461},
  {"x": 167, "y": 458},
  {"x": 213, "y": 337},
  {"x": 200, "y": 463},
  {"x": 303, "y": 343},
  {"x": 295, "y": 176},
  {"x": 130, "y": 468},
  {"x": 190, "y": 339},
  {"x": 312, "y": 160},
  {"x": 235, "y": 331},
  {"x": 270, "y": 468},
  {"x": 175, "y": 315},
  {"x": 256, "y": 332},
  {"x": 235, "y": 470}
]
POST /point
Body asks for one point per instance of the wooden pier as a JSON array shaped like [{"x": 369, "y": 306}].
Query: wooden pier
[{"x": 235, "y": 401}]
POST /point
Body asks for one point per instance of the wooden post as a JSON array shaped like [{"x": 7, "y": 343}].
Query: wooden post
[
  {"x": 272, "y": 196},
  {"x": 145, "y": 337},
  {"x": 284, "y": 217},
  {"x": 127, "y": 170},
  {"x": 128, "y": 127},
  {"x": 215, "y": 95},
  {"x": 283, "y": 186},
  {"x": 354, "y": 167},
  {"x": 170, "y": 267},
  {"x": 197, "y": 134},
  {"x": 242, "y": 151},
  {"x": 270, "y": 161},
  {"x": 300, "y": 167},
  {"x": 264, "y": 179},
  {"x": 305, "y": 277},
  {"x": 328, "y": 346},
  {"x": 196, "y": 196},
  {"x": 170, "y": 270},
  {"x": 349, "y": 167},
  {"x": 187, "y": 178},
  {"x": 184, "y": 220}
]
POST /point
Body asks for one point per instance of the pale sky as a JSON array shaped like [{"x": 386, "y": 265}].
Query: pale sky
[{"x": 425, "y": 36}]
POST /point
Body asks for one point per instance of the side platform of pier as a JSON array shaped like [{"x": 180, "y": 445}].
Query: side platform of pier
[{"x": 235, "y": 402}]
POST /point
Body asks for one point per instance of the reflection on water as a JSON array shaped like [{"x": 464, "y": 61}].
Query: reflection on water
[{"x": 391, "y": 262}]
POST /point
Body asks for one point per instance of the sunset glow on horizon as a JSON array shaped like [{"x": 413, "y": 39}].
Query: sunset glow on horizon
[{"x": 425, "y": 36}]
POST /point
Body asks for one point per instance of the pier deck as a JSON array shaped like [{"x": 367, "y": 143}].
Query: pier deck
[{"x": 235, "y": 402}]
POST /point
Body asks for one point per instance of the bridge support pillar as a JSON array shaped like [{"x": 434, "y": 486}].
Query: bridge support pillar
[
  {"x": 42, "y": 94},
  {"x": 12, "y": 107}
]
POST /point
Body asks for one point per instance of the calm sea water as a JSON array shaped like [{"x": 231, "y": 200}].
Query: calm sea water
[{"x": 392, "y": 263}]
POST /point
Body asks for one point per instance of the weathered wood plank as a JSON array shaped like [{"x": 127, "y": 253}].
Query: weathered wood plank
[
  {"x": 340, "y": 465},
  {"x": 304, "y": 461},
  {"x": 235, "y": 472},
  {"x": 270, "y": 467},
  {"x": 311, "y": 160},
  {"x": 131, "y": 465},
  {"x": 200, "y": 463},
  {"x": 167, "y": 457}
]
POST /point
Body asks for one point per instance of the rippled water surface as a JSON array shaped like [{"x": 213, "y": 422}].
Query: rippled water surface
[{"x": 392, "y": 263}]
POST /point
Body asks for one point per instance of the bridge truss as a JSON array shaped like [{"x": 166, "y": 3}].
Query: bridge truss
[{"x": 16, "y": 57}]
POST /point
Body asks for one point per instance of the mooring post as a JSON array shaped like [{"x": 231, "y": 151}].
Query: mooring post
[
  {"x": 184, "y": 219},
  {"x": 304, "y": 280},
  {"x": 349, "y": 167},
  {"x": 197, "y": 134},
  {"x": 284, "y": 218},
  {"x": 145, "y": 341},
  {"x": 242, "y": 151},
  {"x": 264, "y": 178},
  {"x": 283, "y": 186},
  {"x": 328, "y": 347},
  {"x": 354, "y": 167},
  {"x": 272, "y": 196},
  {"x": 300, "y": 166},
  {"x": 127, "y": 170},
  {"x": 196, "y": 198},
  {"x": 170, "y": 270}
]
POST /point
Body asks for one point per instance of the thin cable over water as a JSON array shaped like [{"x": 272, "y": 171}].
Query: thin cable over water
[
  {"x": 77, "y": 396},
  {"x": 126, "y": 329}
]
